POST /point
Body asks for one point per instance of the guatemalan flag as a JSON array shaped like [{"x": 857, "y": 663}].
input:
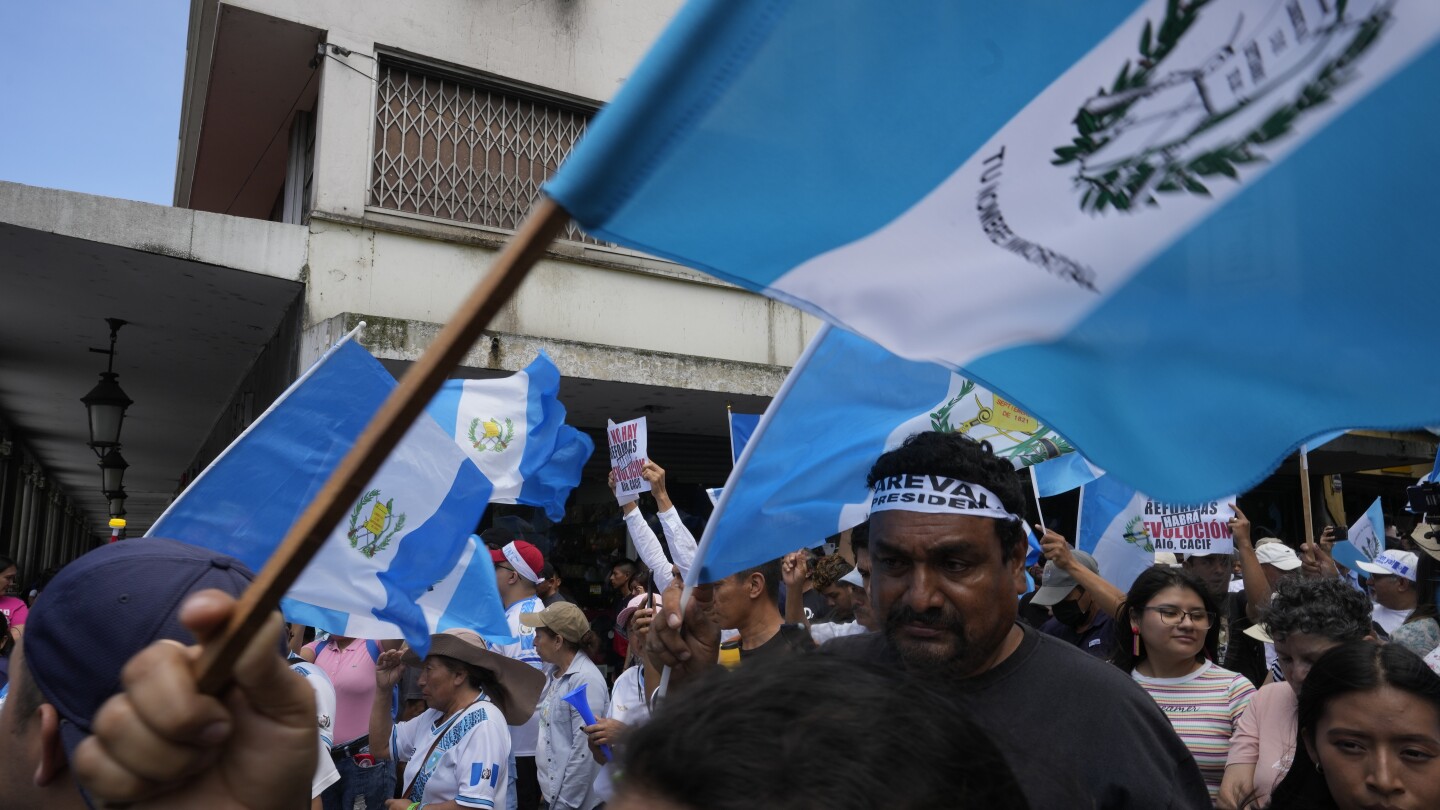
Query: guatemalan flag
[
  {"x": 802, "y": 475},
  {"x": 389, "y": 569},
  {"x": 1069, "y": 472},
  {"x": 1159, "y": 226},
  {"x": 742, "y": 427},
  {"x": 514, "y": 429},
  {"x": 1112, "y": 529}
]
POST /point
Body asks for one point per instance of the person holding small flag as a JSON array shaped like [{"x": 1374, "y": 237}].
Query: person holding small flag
[{"x": 459, "y": 749}]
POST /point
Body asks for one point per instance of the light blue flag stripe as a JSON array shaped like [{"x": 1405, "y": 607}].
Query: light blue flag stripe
[
  {"x": 811, "y": 461},
  {"x": 650, "y": 174},
  {"x": 477, "y": 595},
  {"x": 1060, "y": 475},
  {"x": 429, "y": 552},
  {"x": 1338, "y": 248},
  {"x": 1104, "y": 503},
  {"x": 742, "y": 427},
  {"x": 744, "y": 115},
  {"x": 245, "y": 501}
]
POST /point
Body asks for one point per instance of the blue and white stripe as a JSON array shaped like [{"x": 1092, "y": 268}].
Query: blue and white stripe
[{"x": 893, "y": 168}]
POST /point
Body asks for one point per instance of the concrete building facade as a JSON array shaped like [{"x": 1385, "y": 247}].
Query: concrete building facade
[{"x": 373, "y": 157}]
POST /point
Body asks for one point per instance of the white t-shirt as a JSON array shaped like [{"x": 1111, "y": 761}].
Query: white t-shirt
[
  {"x": 1389, "y": 619},
  {"x": 522, "y": 738},
  {"x": 822, "y": 632},
  {"x": 470, "y": 763},
  {"x": 628, "y": 705},
  {"x": 325, "y": 773}
]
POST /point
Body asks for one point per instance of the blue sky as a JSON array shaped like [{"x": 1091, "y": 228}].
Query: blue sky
[{"x": 91, "y": 98}]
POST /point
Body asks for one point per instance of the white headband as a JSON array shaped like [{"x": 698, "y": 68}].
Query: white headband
[
  {"x": 513, "y": 555},
  {"x": 936, "y": 494}
]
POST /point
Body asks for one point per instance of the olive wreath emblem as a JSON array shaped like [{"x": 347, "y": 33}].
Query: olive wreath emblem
[
  {"x": 1136, "y": 180},
  {"x": 1136, "y": 534},
  {"x": 492, "y": 435},
  {"x": 1042, "y": 445},
  {"x": 374, "y": 534}
]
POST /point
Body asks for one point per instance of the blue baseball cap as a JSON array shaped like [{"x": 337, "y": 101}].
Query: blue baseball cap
[{"x": 108, "y": 605}]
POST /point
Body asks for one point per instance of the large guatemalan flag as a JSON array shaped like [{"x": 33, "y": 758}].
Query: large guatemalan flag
[
  {"x": 801, "y": 477},
  {"x": 514, "y": 429},
  {"x": 1159, "y": 226},
  {"x": 395, "y": 566}
]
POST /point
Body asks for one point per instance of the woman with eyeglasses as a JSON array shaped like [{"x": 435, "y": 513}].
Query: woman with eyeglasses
[{"x": 1166, "y": 634}]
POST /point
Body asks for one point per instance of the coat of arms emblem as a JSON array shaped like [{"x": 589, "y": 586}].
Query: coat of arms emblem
[
  {"x": 1136, "y": 534},
  {"x": 489, "y": 434},
  {"x": 374, "y": 533},
  {"x": 1012, "y": 433},
  {"x": 1210, "y": 87}
]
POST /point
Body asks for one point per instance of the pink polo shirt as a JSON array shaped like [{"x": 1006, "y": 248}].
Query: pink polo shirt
[
  {"x": 352, "y": 672},
  {"x": 1265, "y": 737}
]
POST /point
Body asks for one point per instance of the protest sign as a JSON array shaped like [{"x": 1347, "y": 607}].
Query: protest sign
[
  {"x": 1202, "y": 528},
  {"x": 629, "y": 449}
]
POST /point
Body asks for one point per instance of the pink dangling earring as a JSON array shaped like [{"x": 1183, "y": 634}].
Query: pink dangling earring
[{"x": 1137, "y": 642}]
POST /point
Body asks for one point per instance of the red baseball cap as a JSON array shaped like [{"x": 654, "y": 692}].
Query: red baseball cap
[{"x": 525, "y": 558}]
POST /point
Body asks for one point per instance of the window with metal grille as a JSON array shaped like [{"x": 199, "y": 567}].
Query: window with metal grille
[{"x": 461, "y": 151}]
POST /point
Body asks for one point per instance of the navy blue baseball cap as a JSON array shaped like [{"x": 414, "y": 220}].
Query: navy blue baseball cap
[{"x": 108, "y": 605}]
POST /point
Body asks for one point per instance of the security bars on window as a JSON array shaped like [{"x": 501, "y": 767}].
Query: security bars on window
[{"x": 464, "y": 152}]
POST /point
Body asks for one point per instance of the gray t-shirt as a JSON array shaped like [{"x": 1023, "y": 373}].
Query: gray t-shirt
[{"x": 1077, "y": 732}]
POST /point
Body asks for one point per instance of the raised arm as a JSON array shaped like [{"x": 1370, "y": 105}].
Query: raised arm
[
  {"x": 682, "y": 542},
  {"x": 388, "y": 671},
  {"x": 792, "y": 573},
  {"x": 1057, "y": 549},
  {"x": 1257, "y": 587},
  {"x": 646, "y": 543}
]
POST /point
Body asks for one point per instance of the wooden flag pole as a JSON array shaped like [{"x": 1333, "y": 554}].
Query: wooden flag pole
[
  {"x": 1305, "y": 496},
  {"x": 380, "y": 436}
]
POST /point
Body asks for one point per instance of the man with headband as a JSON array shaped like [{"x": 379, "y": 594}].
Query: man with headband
[
  {"x": 947, "y": 557},
  {"x": 517, "y": 571}
]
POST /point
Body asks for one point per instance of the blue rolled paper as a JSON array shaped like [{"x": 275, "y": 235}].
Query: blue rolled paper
[{"x": 582, "y": 705}]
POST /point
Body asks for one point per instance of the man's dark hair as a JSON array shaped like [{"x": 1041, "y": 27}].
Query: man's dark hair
[
  {"x": 737, "y": 739},
  {"x": 1323, "y": 607},
  {"x": 547, "y": 572},
  {"x": 955, "y": 455},
  {"x": 771, "y": 572},
  {"x": 497, "y": 538},
  {"x": 626, "y": 565}
]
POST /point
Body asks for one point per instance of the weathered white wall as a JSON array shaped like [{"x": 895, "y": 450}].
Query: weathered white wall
[
  {"x": 412, "y": 270},
  {"x": 356, "y": 269}
]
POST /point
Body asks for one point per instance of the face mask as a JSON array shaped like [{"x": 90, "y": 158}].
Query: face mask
[{"x": 1069, "y": 613}]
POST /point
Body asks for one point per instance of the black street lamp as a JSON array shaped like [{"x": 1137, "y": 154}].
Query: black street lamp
[
  {"x": 112, "y": 471},
  {"x": 106, "y": 402},
  {"x": 117, "y": 503}
]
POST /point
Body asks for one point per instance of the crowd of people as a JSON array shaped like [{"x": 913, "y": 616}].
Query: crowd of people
[{"x": 916, "y": 670}]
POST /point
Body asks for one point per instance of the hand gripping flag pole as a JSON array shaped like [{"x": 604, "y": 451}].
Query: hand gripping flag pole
[
  {"x": 692, "y": 577},
  {"x": 405, "y": 403}
]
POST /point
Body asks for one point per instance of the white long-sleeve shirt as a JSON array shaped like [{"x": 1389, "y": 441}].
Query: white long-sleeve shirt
[{"x": 682, "y": 544}]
